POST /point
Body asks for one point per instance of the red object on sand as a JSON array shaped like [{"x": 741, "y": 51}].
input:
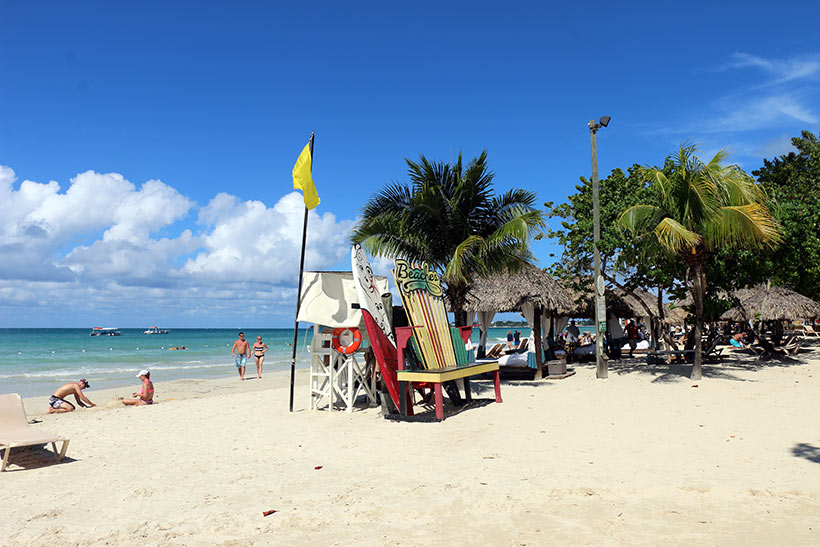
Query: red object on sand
[
  {"x": 266, "y": 513},
  {"x": 318, "y": 467}
]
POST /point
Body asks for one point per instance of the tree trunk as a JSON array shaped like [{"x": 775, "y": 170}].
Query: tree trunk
[
  {"x": 536, "y": 334},
  {"x": 661, "y": 323},
  {"x": 699, "y": 292}
]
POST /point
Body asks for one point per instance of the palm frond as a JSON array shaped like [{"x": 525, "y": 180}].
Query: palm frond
[
  {"x": 744, "y": 225},
  {"x": 674, "y": 236},
  {"x": 640, "y": 217}
]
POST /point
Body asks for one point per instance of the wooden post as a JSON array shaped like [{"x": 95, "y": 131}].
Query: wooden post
[{"x": 539, "y": 357}]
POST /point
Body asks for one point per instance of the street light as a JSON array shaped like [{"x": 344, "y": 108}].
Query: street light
[{"x": 598, "y": 280}]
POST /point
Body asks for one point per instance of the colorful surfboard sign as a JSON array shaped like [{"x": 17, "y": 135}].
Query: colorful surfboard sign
[{"x": 370, "y": 298}]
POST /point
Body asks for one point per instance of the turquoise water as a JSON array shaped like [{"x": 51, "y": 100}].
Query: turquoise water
[{"x": 34, "y": 362}]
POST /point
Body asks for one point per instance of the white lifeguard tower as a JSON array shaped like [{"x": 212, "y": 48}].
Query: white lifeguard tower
[{"x": 342, "y": 365}]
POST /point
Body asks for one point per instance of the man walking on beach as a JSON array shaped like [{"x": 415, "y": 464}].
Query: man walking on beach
[
  {"x": 571, "y": 341},
  {"x": 57, "y": 402},
  {"x": 632, "y": 336},
  {"x": 241, "y": 350}
]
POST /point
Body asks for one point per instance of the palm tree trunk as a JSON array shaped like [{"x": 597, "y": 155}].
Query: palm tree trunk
[{"x": 700, "y": 291}]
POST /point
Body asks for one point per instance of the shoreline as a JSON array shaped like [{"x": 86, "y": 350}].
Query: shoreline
[{"x": 644, "y": 456}]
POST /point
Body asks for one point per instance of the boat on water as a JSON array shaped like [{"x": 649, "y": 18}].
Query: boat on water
[
  {"x": 105, "y": 331},
  {"x": 156, "y": 330}
]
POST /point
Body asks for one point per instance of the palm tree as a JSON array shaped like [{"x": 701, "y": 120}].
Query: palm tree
[
  {"x": 700, "y": 208},
  {"x": 449, "y": 217}
]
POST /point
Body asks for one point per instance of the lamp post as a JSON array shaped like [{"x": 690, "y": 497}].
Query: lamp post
[{"x": 598, "y": 280}]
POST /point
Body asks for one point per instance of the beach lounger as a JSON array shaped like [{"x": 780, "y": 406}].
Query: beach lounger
[
  {"x": 440, "y": 355},
  {"x": 495, "y": 351},
  {"x": 809, "y": 330},
  {"x": 15, "y": 431}
]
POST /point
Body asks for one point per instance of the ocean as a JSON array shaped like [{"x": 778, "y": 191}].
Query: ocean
[{"x": 34, "y": 362}]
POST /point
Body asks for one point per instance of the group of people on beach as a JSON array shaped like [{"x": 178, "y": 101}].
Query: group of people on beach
[
  {"x": 57, "y": 402},
  {"x": 241, "y": 351},
  {"x": 513, "y": 339}
]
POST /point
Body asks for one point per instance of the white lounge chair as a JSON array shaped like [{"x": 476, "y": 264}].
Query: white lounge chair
[{"x": 15, "y": 431}]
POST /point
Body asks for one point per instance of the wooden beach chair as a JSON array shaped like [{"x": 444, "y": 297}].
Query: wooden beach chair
[
  {"x": 809, "y": 331},
  {"x": 495, "y": 351},
  {"x": 439, "y": 348},
  {"x": 15, "y": 431}
]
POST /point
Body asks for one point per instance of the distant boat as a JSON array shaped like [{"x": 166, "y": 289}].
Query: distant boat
[
  {"x": 156, "y": 330},
  {"x": 105, "y": 331}
]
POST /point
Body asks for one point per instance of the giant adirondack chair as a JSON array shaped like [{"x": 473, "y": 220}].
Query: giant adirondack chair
[{"x": 439, "y": 348}]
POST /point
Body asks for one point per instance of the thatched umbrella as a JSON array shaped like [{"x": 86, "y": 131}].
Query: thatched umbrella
[
  {"x": 618, "y": 303},
  {"x": 766, "y": 302},
  {"x": 511, "y": 291}
]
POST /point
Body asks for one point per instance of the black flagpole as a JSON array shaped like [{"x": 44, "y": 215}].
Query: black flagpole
[{"x": 299, "y": 292}]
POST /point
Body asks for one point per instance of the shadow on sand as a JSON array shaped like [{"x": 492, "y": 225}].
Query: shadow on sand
[
  {"x": 34, "y": 457},
  {"x": 724, "y": 370},
  {"x": 807, "y": 451}
]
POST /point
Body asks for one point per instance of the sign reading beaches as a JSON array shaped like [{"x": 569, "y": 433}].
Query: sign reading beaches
[{"x": 409, "y": 278}]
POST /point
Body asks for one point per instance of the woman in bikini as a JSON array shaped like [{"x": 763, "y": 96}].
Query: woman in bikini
[
  {"x": 145, "y": 396},
  {"x": 259, "y": 349}
]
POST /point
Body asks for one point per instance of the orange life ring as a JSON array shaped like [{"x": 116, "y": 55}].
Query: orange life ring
[{"x": 350, "y": 348}]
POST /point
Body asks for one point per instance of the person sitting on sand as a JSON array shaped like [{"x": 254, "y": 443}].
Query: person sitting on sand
[
  {"x": 145, "y": 396},
  {"x": 57, "y": 402},
  {"x": 259, "y": 349}
]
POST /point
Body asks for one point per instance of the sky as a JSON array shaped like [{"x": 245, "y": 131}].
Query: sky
[{"x": 146, "y": 148}]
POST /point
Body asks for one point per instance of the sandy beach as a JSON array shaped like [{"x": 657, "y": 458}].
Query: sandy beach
[{"x": 644, "y": 457}]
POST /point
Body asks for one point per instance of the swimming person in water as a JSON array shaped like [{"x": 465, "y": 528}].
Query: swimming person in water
[
  {"x": 145, "y": 396},
  {"x": 259, "y": 349}
]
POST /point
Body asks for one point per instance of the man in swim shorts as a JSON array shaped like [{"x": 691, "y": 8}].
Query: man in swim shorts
[
  {"x": 57, "y": 402},
  {"x": 241, "y": 351}
]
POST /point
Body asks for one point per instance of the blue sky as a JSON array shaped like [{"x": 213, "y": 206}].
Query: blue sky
[{"x": 146, "y": 148}]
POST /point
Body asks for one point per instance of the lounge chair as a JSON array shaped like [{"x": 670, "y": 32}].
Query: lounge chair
[
  {"x": 15, "y": 431},
  {"x": 809, "y": 330},
  {"x": 792, "y": 346},
  {"x": 495, "y": 351}
]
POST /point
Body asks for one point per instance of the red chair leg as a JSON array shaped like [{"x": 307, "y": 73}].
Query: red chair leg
[
  {"x": 439, "y": 402},
  {"x": 497, "y": 386}
]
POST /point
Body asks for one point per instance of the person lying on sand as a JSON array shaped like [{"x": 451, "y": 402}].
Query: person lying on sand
[
  {"x": 145, "y": 396},
  {"x": 57, "y": 402}
]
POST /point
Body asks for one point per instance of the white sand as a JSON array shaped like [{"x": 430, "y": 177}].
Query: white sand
[{"x": 640, "y": 458}]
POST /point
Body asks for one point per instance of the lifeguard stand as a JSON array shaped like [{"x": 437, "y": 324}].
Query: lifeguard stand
[{"x": 329, "y": 301}]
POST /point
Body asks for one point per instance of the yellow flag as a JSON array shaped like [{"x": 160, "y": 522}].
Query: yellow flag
[{"x": 302, "y": 180}]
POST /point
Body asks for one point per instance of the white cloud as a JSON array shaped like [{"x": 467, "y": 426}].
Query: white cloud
[
  {"x": 783, "y": 70},
  {"x": 250, "y": 242},
  {"x": 758, "y": 113},
  {"x": 95, "y": 249}
]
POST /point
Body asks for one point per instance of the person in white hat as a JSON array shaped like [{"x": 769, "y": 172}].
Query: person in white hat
[{"x": 145, "y": 396}]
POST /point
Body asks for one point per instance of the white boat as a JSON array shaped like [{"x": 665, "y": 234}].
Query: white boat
[
  {"x": 105, "y": 331},
  {"x": 155, "y": 330}
]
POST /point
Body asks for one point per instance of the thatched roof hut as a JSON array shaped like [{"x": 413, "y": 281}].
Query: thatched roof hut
[
  {"x": 513, "y": 291},
  {"x": 509, "y": 291},
  {"x": 620, "y": 304},
  {"x": 771, "y": 303}
]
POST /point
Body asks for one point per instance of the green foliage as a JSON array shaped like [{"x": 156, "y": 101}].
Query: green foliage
[
  {"x": 637, "y": 262},
  {"x": 699, "y": 209},
  {"x": 793, "y": 182},
  {"x": 449, "y": 217}
]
